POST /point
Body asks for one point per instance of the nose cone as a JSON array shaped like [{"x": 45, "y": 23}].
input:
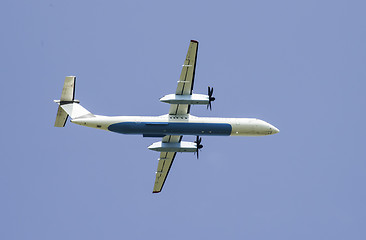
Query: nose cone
[
  {"x": 264, "y": 128},
  {"x": 274, "y": 130}
]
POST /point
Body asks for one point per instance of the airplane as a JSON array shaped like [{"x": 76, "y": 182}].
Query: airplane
[{"x": 170, "y": 127}]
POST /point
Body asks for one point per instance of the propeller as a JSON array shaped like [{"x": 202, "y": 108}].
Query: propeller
[
  {"x": 198, "y": 143},
  {"x": 210, "y": 98}
]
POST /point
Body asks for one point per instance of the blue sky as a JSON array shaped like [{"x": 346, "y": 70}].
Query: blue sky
[{"x": 299, "y": 65}]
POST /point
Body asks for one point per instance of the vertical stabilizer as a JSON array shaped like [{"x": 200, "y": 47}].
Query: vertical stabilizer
[
  {"x": 67, "y": 96},
  {"x": 61, "y": 117},
  {"x": 68, "y": 105}
]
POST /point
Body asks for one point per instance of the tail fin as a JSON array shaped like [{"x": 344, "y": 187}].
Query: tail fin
[{"x": 67, "y": 104}]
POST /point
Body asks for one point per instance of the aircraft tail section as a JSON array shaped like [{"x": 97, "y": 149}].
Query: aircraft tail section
[
  {"x": 61, "y": 117},
  {"x": 68, "y": 106}
]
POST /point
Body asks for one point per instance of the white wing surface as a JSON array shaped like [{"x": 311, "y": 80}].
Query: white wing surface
[
  {"x": 165, "y": 163},
  {"x": 186, "y": 80},
  {"x": 185, "y": 87}
]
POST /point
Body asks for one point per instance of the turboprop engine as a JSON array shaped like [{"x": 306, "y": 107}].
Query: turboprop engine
[
  {"x": 196, "y": 99},
  {"x": 174, "y": 147},
  {"x": 199, "y": 99}
]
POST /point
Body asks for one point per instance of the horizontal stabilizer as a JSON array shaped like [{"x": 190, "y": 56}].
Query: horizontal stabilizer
[{"x": 68, "y": 91}]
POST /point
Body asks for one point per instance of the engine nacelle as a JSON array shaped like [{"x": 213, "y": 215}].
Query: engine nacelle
[
  {"x": 174, "y": 147},
  {"x": 197, "y": 99}
]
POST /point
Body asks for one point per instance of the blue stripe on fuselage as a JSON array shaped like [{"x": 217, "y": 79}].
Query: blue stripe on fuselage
[{"x": 171, "y": 128}]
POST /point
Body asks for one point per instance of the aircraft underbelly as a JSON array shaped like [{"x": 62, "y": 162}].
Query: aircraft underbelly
[{"x": 169, "y": 128}]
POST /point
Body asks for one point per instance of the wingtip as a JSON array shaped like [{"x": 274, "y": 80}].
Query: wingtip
[
  {"x": 194, "y": 41},
  {"x": 156, "y": 191}
]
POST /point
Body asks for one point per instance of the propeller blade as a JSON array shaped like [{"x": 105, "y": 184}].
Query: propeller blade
[
  {"x": 198, "y": 145},
  {"x": 210, "y": 98}
]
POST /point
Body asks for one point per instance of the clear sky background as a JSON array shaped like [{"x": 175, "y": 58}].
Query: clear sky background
[{"x": 299, "y": 65}]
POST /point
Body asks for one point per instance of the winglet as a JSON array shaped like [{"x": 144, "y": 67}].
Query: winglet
[
  {"x": 194, "y": 41},
  {"x": 156, "y": 191}
]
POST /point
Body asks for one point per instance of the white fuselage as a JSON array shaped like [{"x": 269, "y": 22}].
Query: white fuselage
[{"x": 179, "y": 125}]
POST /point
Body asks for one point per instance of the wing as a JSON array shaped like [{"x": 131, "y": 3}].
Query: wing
[
  {"x": 165, "y": 163},
  {"x": 185, "y": 86},
  {"x": 186, "y": 80}
]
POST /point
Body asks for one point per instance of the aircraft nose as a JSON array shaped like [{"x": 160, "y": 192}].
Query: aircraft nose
[{"x": 274, "y": 130}]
